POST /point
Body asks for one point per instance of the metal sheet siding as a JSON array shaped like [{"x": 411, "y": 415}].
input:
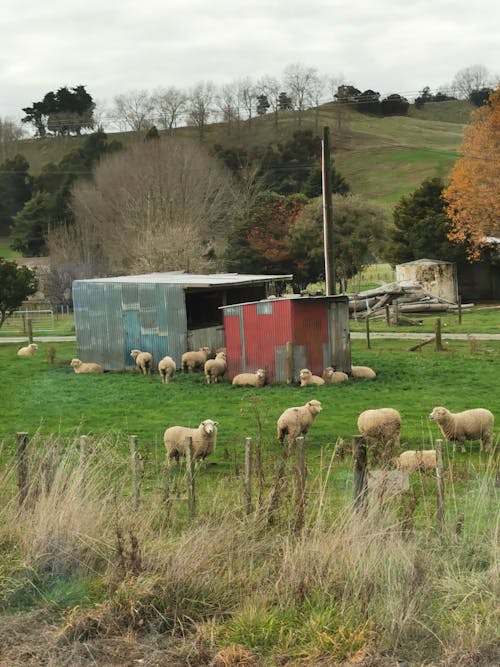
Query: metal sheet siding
[
  {"x": 233, "y": 334},
  {"x": 310, "y": 331},
  {"x": 339, "y": 336}
]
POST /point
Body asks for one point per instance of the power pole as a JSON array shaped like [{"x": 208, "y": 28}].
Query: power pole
[{"x": 327, "y": 213}]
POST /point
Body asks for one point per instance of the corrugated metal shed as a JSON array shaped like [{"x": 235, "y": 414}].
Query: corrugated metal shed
[
  {"x": 437, "y": 277},
  {"x": 257, "y": 334}
]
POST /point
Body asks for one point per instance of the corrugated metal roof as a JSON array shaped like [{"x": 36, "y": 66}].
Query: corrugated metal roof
[
  {"x": 191, "y": 279},
  {"x": 298, "y": 297},
  {"x": 418, "y": 262}
]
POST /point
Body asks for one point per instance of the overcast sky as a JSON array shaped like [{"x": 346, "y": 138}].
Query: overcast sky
[{"x": 114, "y": 46}]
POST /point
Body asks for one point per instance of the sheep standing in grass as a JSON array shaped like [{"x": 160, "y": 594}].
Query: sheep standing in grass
[
  {"x": 215, "y": 368},
  {"x": 143, "y": 360},
  {"x": 331, "y": 376},
  {"x": 413, "y": 460},
  {"x": 27, "y": 351},
  {"x": 297, "y": 421},
  {"x": 194, "y": 359},
  {"x": 166, "y": 369},
  {"x": 307, "y": 379},
  {"x": 90, "y": 367},
  {"x": 257, "y": 379},
  {"x": 382, "y": 426},
  {"x": 363, "y": 372},
  {"x": 475, "y": 424},
  {"x": 203, "y": 438}
]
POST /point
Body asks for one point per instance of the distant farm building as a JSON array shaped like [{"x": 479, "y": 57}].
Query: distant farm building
[{"x": 436, "y": 277}]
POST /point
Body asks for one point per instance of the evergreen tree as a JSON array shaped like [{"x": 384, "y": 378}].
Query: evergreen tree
[{"x": 15, "y": 190}]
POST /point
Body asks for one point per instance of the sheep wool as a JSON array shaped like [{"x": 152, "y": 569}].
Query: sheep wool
[
  {"x": 382, "y": 425},
  {"x": 331, "y": 376},
  {"x": 215, "y": 368},
  {"x": 363, "y": 372},
  {"x": 257, "y": 379},
  {"x": 27, "y": 351},
  {"x": 297, "y": 421},
  {"x": 90, "y": 367},
  {"x": 143, "y": 360},
  {"x": 194, "y": 359},
  {"x": 412, "y": 460},
  {"x": 307, "y": 379},
  {"x": 166, "y": 369},
  {"x": 474, "y": 424},
  {"x": 203, "y": 440}
]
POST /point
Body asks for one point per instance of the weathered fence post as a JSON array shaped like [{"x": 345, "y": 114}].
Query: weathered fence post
[
  {"x": 368, "y": 344},
  {"x": 360, "y": 480},
  {"x": 289, "y": 363},
  {"x": 30, "y": 330},
  {"x": 248, "y": 476},
  {"x": 22, "y": 440},
  {"x": 437, "y": 330},
  {"x": 459, "y": 301},
  {"x": 387, "y": 315},
  {"x": 396, "y": 312},
  {"x": 440, "y": 484},
  {"x": 300, "y": 454},
  {"x": 135, "y": 472},
  {"x": 190, "y": 477}
]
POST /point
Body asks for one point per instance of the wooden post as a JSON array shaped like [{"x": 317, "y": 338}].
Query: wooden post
[
  {"x": 437, "y": 330},
  {"x": 396, "y": 312},
  {"x": 22, "y": 439},
  {"x": 135, "y": 475},
  {"x": 440, "y": 484},
  {"x": 289, "y": 363},
  {"x": 301, "y": 482},
  {"x": 368, "y": 343},
  {"x": 459, "y": 301},
  {"x": 248, "y": 476},
  {"x": 327, "y": 214},
  {"x": 24, "y": 323},
  {"x": 30, "y": 330},
  {"x": 387, "y": 315},
  {"x": 190, "y": 477},
  {"x": 360, "y": 471}
]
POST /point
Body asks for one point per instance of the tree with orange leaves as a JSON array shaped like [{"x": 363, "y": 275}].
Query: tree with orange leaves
[{"x": 473, "y": 195}]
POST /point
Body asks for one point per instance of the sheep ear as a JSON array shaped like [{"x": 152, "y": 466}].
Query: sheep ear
[{"x": 216, "y": 423}]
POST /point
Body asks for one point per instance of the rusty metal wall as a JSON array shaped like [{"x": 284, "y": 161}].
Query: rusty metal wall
[
  {"x": 212, "y": 337},
  {"x": 338, "y": 351}
]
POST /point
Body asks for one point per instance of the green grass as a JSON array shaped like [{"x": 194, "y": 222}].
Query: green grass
[
  {"x": 6, "y": 251},
  {"x": 42, "y": 325}
]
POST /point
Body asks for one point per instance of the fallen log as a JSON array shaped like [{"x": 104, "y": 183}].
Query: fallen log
[
  {"x": 423, "y": 307},
  {"x": 420, "y": 345}
]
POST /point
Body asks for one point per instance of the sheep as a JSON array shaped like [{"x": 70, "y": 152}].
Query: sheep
[
  {"x": 194, "y": 359},
  {"x": 90, "y": 367},
  {"x": 27, "y": 351},
  {"x": 412, "y": 460},
  {"x": 203, "y": 438},
  {"x": 166, "y": 369},
  {"x": 382, "y": 425},
  {"x": 363, "y": 372},
  {"x": 257, "y": 379},
  {"x": 331, "y": 376},
  {"x": 297, "y": 421},
  {"x": 143, "y": 360},
  {"x": 475, "y": 424},
  {"x": 307, "y": 379},
  {"x": 215, "y": 368}
]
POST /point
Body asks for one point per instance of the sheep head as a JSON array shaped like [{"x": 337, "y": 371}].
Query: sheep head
[
  {"x": 75, "y": 363},
  {"x": 209, "y": 426},
  {"x": 438, "y": 414},
  {"x": 305, "y": 373},
  {"x": 314, "y": 406},
  {"x": 135, "y": 353}
]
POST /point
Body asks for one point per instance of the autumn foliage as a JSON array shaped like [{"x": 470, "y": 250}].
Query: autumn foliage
[{"x": 473, "y": 195}]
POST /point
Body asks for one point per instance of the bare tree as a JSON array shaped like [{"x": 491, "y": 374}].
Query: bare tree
[
  {"x": 300, "y": 81},
  {"x": 201, "y": 98},
  {"x": 271, "y": 88},
  {"x": 228, "y": 103},
  {"x": 10, "y": 134},
  {"x": 169, "y": 104},
  {"x": 468, "y": 79},
  {"x": 247, "y": 95},
  {"x": 133, "y": 110}
]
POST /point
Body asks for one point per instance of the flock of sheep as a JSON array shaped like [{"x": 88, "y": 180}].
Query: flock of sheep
[{"x": 381, "y": 426}]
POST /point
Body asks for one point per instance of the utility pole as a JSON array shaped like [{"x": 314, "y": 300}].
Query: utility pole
[{"x": 327, "y": 213}]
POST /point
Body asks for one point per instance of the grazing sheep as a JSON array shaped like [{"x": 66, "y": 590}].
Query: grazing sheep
[
  {"x": 257, "y": 379},
  {"x": 331, "y": 376},
  {"x": 215, "y": 368},
  {"x": 307, "y": 379},
  {"x": 166, "y": 369},
  {"x": 297, "y": 421},
  {"x": 363, "y": 372},
  {"x": 475, "y": 424},
  {"x": 27, "y": 351},
  {"x": 382, "y": 425},
  {"x": 203, "y": 438},
  {"x": 195, "y": 359},
  {"x": 143, "y": 360},
  {"x": 413, "y": 460},
  {"x": 90, "y": 367}
]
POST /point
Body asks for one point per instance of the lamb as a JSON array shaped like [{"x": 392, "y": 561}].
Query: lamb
[
  {"x": 203, "y": 438},
  {"x": 143, "y": 360},
  {"x": 382, "y": 425},
  {"x": 215, "y": 368},
  {"x": 257, "y": 379},
  {"x": 27, "y": 351},
  {"x": 307, "y": 379},
  {"x": 194, "y": 359},
  {"x": 363, "y": 372},
  {"x": 166, "y": 369},
  {"x": 90, "y": 367},
  {"x": 297, "y": 421},
  {"x": 331, "y": 376},
  {"x": 412, "y": 460},
  {"x": 475, "y": 424}
]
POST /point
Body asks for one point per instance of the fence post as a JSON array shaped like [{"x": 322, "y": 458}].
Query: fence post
[
  {"x": 396, "y": 312},
  {"x": 440, "y": 484},
  {"x": 387, "y": 315},
  {"x": 135, "y": 472},
  {"x": 368, "y": 344},
  {"x": 190, "y": 477},
  {"x": 438, "y": 346},
  {"x": 459, "y": 300},
  {"x": 248, "y": 476},
  {"x": 22, "y": 439},
  {"x": 289, "y": 362},
  {"x": 30, "y": 330},
  {"x": 300, "y": 453},
  {"x": 360, "y": 480}
]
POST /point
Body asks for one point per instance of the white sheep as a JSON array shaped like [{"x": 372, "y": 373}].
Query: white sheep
[
  {"x": 194, "y": 359},
  {"x": 203, "y": 438},
  {"x": 382, "y": 425},
  {"x": 331, "y": 376},
  {"x": 215, "y": 368},
  {"x": 297, "y": 421},
  {"x": 143, "y": 360},
  {"x": 475, "y": 424},
  {"x": 307, "y": 379},
  {"x": 166, "y": 369},
  {"x": 89, "y": 367},
  {"x": 412, "y": 460},
  {"x": 363, "y": 372},
  {"x": 257, "y": 379},
  {"x": 27, "y": 351}
]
